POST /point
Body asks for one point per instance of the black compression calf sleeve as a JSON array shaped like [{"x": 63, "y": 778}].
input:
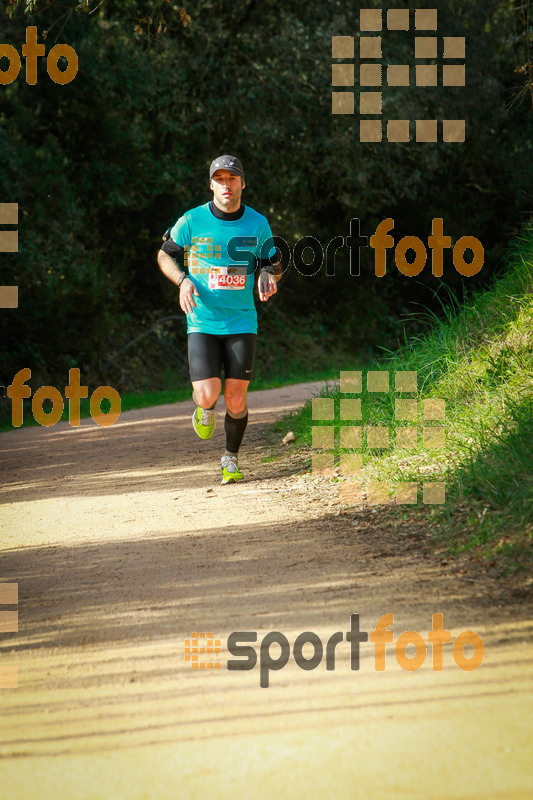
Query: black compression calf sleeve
[{"x": 235, "y": 427}]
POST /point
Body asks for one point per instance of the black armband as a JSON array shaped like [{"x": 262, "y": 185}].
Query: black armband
[{"x": 172, "y": 249}]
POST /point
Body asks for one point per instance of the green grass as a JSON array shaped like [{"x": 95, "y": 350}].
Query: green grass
[{"x": 478, "y": 357}]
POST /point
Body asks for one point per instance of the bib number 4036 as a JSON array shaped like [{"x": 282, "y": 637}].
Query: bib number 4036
[
  {"x": 227, "y": 281},
  {"x": 232, "y": 280}
]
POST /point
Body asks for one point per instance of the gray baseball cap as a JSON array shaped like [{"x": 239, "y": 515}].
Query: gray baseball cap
[{"x": 230, "y": 163}]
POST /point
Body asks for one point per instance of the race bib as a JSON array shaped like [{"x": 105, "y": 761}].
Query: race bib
[{"x": 227, "y": 278}]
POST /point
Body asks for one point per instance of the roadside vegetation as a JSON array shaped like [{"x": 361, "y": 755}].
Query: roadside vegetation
[{"x": 477, "y": 356}]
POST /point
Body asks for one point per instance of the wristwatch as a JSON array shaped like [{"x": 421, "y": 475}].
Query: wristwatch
[{"x": 181, "y": 280}]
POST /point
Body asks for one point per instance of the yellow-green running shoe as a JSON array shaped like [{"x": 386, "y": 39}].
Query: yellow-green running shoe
[
  {"x": 203, "y": 422},
  {"x": 230, "y": 469}
]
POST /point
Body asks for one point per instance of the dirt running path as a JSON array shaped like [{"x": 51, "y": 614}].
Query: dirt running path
[{"x": 123, "y": 543}]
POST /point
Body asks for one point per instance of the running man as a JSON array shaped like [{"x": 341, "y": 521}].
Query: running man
[{"x": 220, "y": 244}]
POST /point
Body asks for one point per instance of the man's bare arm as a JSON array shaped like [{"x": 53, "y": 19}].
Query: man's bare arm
[
  {"x": 170, "y": 270},
  {"x": 168, "y": 267}
]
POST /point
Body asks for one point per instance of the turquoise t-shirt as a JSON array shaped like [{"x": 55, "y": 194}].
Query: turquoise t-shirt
[{"x": 220, "y": 260}]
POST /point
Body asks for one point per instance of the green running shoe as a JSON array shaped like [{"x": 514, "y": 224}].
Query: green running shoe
[
  {"x": 230, "y": 470},
  {"x": 203, "y": 422}
]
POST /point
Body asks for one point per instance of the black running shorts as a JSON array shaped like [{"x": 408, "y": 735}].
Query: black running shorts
[{"x": 208, "y": 352}]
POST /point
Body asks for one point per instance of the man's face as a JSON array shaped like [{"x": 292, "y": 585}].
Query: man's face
[{"x": 227, "y": 189}]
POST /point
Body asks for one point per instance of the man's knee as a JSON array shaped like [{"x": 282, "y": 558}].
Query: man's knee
[
  {"x": 235, "y": 399},
  {"x": 206, "y": 395}
]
